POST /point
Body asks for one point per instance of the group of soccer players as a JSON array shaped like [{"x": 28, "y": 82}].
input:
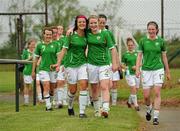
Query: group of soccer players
[{"x": 88, "y": 54}]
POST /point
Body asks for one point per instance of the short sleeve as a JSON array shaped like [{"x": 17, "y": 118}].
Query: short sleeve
[
  {"x": 140, "y": 47},
  {"x": 37, "y": 51},
  {"x": 112, "y": 37},
  {"x": 123, "y": 59},
  {"x": 66, "y": 42},
  {"x": 24, "y": 55},
  {"x": 163, "y": 47},
  {"x": 58, "y": 49},
  {"x": 109, "y": 41}
]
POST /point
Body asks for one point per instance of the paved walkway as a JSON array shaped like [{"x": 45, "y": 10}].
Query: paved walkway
[{"x": 169, "y": 119}]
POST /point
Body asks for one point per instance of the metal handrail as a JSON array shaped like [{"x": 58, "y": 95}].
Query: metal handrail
[{"x": 17, "y": 79}]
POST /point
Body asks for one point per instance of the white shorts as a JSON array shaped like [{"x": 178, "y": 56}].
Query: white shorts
[
  {"x": 152, "y": 78},
  {"x": 37, "y": 77},
  {"x": 61, "y": 74},
  {"x": 98, "y": 73},
  {"x": 27, "y": 79},
  {"x": 75, "y": 74},
  {"x": 48, "y": 76},
  {"x": 114, "y": 75},
  {"x": 132, "y": 80}
]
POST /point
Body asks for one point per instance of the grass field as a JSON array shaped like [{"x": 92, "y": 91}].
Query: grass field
[
  {"x": 7, "y": 81},
  {"x": 172, "y": 89},
  {"x": 35, "y": 118}
]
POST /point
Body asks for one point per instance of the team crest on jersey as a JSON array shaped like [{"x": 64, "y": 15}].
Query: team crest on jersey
[
  {"x": 98, "y": 37},
  {"x": 157, "y": 43}
]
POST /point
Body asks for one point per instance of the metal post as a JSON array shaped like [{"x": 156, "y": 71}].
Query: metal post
[
  {"x": 34, "y": 92},
  {"x": 20, "y": 43},
  {"x": 19, "y": 35},
  {"x": 162, "y": 18},
  {"x": 18, "y": 40},
  {"x": 17, "y": 88},
  {"x": 46, "y": 12}
]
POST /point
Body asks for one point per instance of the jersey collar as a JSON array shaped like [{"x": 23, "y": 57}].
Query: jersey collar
[
  {"x": 131, "y": 52},
  {"x": 149, "y": 37}
]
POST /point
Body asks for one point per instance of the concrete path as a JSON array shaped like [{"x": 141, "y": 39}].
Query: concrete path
[{"x": 169, "y": 119}]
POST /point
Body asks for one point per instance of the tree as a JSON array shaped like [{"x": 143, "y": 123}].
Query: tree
[
  {"x": 9, "y": 49},
  {"x": 110, "y": 9},
  {"x": 138, "y": 35},
  {"x": 62, "y": 12}
]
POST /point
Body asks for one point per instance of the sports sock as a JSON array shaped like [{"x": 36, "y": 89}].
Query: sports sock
[
  {"x": 130, "y": 99},
  {"x": 47, "y": 100},
  {"x": 134, "y": 99},
  {"x": 82, "y": 101},
  {"x": 70, "y": 100},
  {"x": 156, "y": 113},
  {"x": 60, "y": 94},
  {"x": 106, "y": 106},
  {"x": 26, "y": 99},
  {"x": 148, "y": 108},
  {"x": 114, "y": 96}
]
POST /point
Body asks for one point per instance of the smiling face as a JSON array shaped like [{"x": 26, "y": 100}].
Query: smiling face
[
  {"x": 81, "y": 23},
  {"x": 130, "y": 45},
  {"x": 152, "y": 30},
  {"x": 60, "y": 30},
  {"x": 47, "y": 36},
  {"x": 102, "y": 23},
  {"x": 93, "y": 24},
  {"x": 32, "y": 45}
]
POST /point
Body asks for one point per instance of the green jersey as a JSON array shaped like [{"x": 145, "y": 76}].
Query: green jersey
[
  {"x": 28, "y": 67},
  {"x": 48, "y": 53},
  {"x": 129, "y": 59},
  {"x": 60, "y": 43},
  {"x": 98, "y": 48},
  {"x": 76, "y": 46},
  {"x": 114, "y": 42},
  {"x": 152, "y": 50}
]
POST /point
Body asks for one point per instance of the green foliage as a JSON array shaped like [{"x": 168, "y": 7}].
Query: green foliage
[
  {"x": 172, "y": 48},
  {"x": 138, "y": 35},
  {"x": 9, "y": 48},
  {"x": 110, "y": 9},
  {"x": 62, "y": 12}
]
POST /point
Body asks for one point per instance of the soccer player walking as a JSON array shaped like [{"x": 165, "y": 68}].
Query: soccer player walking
[
  {"x": 48, "y": 52},
  {"x": 28, "y": 55},
  {"x": 76, "y": 65},
  {"x": 99, "y": 43},
  {"x": 102, "y": 20},
  {"x": 129, "y": 64},
  {"x": 152, "y": 49}
]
